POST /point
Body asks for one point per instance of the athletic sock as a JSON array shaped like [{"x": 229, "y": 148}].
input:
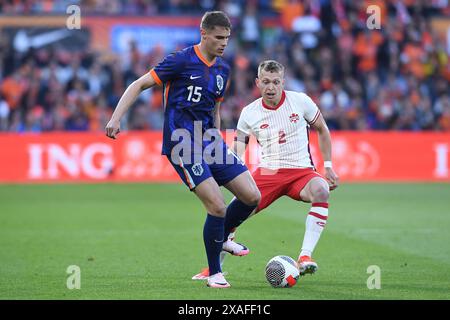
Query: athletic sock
[
  {"x": 237, "y": 212},
  {"x": 315, "y": 222},
  {"x": 213, "y": 239}
]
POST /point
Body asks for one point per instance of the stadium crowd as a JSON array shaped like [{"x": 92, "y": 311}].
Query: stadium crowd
[{"x": 393, "y": 78}]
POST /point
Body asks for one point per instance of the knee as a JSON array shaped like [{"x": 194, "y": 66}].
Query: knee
[
  {"x": 321, "y": 193},
  {"x": 217, "y": 208},
  {"x": 253, "y": 198}
]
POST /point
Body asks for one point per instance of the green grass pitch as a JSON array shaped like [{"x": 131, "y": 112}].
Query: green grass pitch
[{"x": 144, "y": 241}]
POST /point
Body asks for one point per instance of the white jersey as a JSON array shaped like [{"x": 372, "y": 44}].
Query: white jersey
[{"x": 282, "y": 131}]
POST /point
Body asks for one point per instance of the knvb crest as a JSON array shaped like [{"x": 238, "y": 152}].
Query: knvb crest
[
  {"x": 294, "y": 117},
  {"x": 219, "y": 81},
  {"x": 197, "y": 169}
]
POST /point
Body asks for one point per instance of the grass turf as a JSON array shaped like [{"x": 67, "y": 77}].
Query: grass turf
[{"x": 144, "y": 241}]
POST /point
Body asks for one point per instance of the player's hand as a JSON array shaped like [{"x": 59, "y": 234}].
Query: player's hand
[
  {"x": 332, "y": 178},
  {"x": 112, "y": 129}
]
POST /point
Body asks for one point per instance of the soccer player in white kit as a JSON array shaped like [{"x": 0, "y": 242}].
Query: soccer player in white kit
[{"x": 280, "y": 121}]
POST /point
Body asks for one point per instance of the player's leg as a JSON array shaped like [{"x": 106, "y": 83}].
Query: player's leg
[
  {"x": 247, "y": 198},
  {"x": 209, "y": 193},
  {"x": 232, "y": 173},
  {"x": 204, "y": 273},
  {"x": 199, "y": 179},
  {"x": 270, "y": 191},
  {"x": 270, "y": 185},
  {"x": 315, "y": 191}
]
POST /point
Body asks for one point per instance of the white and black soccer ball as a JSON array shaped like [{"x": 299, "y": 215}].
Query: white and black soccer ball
[{"x": 282, "y": 272}]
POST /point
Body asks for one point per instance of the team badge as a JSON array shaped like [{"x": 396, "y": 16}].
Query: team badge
[
  {"x": 197, "y": 169},
  {"x": 219, "y": 80},
  {"x": 294, "y": 118}
]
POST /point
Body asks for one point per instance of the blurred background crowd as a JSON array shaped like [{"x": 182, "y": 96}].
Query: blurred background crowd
[{"x": 394, "y": 78}]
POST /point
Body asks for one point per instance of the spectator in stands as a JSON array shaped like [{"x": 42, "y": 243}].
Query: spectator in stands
[{"x": 396, "y": 78}]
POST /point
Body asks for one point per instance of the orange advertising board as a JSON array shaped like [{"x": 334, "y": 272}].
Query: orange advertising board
[{"x": 136, "y": 156}]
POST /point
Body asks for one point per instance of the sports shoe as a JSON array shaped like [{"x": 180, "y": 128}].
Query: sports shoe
[
  {"x": 203, "y": 275},
  {"x": 236, "y": 249},
  {"x": 217, "y": 281},
  {"x": 307, "y": 265}
]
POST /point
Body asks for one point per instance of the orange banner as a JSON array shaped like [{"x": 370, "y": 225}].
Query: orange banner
[{"x": 136, "y": 156}]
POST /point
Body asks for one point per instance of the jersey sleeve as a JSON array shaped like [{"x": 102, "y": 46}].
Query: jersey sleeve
[
  {"x": 167, "y": 69},
  {"x": 243, "y": 124},
  {"x": 220, "y": 98},
  {"x": 311, "y": 111}
]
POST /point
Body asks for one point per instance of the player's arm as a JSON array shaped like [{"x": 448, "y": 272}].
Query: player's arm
[
  {"x": 240, "y": 143},
  {"x": 325, "y": 148},
  {"x": 129, "y": 96}
]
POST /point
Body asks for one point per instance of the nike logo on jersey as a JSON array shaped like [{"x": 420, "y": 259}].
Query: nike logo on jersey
[{"x": 192, "y": 77}]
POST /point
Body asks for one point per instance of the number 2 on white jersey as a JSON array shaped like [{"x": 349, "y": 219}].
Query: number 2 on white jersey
[{"x": 194, "y": 93}]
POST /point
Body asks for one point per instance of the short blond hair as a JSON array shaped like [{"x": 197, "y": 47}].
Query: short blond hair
[{"x": 270, "y": 66}]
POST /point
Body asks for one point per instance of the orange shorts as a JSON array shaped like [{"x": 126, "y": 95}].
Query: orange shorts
[{"x": 274, "y": 184}]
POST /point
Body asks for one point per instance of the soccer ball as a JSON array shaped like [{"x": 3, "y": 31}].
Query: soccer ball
[{"x": 282, "y": 272}]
